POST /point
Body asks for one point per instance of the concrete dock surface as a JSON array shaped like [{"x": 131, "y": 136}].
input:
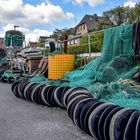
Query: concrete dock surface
[{"x": 24, "y": 120}]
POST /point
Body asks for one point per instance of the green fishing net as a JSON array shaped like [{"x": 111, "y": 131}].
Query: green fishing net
[
  {"x": 8, "y": 74},
  {"x": 101, "y": 76},
  {"x": 14, "y": 38}
]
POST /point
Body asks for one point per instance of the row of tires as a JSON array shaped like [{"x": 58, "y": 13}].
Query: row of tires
[
  {"x": 46, "y": 94},
  {"x": 5, "y": 79},
  {"x": 103, "y": 121}
]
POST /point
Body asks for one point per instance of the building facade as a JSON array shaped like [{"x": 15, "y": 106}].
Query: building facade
[{"x": 86, "y": 25}]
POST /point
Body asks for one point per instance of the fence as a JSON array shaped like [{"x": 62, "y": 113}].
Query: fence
[{"x": 88, "y": 42}]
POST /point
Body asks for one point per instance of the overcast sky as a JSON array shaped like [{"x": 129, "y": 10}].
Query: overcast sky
[{"x": 41, "y": 17}]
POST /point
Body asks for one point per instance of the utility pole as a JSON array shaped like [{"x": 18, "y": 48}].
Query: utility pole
[{"x": 89, "y": 47}]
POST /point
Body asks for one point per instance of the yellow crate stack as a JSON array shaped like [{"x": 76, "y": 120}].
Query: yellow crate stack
[{"x": 59, "y": 64}]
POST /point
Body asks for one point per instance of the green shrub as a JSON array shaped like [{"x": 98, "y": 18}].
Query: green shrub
[
  {"x": 46, "y": 51},
  {"x": 96, "y": 40}
]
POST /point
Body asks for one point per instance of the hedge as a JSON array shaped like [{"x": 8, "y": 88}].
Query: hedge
[{"x": 96, "y": 41}]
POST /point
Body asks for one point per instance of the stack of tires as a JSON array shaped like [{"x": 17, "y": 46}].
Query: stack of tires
[
  {"x": 10, "y": 80},
  {"x": 103, "y": 121},
  {"x": 9, "y": 77},
  {"x": 47, "y": 94}
]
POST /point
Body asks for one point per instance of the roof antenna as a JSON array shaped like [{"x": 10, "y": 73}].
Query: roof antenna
[{"x": 15, "y": 26}]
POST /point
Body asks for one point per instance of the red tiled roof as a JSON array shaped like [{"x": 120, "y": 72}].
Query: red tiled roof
[
  {"x": 2, "y": 45},
  {"x": 33, "y": 44}
]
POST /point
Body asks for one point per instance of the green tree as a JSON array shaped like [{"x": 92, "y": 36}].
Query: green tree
[
  {"x": 103, "y": 24},
  {"x": 137, "y": 11},
  {"x": 123, "y": 15},
  {"x": 117, "y": 15},
  {"x": 130, "y": 15},
  {"x": 41, "y": 42},
  {"x": 59, "y": 34}
]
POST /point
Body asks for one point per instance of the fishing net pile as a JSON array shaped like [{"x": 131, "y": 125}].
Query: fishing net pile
[
  {"x": 14, "y": 38},
  {"x": 107, "y": 76},
  {"x": 109, "y": 79}
]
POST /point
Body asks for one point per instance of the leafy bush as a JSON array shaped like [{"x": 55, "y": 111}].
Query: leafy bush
[
  {"x": 46, "y": 51},
  {"x": 76, "y": 49},
  {"x": 96, "y": 40}
]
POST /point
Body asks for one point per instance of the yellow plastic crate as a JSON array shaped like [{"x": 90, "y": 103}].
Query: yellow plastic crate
[{"x": 59, "y": 64}]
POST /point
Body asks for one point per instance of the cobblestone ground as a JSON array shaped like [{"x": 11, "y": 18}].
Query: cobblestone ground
[{"x": 23, "y": 120}]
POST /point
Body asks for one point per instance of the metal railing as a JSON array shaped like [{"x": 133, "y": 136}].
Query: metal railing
[{"x": 80, "y": 36}]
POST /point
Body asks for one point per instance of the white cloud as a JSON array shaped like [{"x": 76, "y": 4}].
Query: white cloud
[
  {"x": 78, "y": 2},
  {"x": 25, "y": 15},
  {"x": 35, "y": 34},
  {"x": 30, "y": 35},
  {"x": 19, "y": 13},
  {"x": 130, "y": 3},
  {"x": 91, "y": 3},
  {"x": 94, "y": 3},
  {"x": 11, "y": 27}
]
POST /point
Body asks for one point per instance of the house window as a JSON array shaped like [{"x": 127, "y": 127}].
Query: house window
[
  {"x": 78, "y": 29},
  {"x": 84, "y": 26},
  {"x": 72, "y": 42},
  {"x": 75, "y": 41}
]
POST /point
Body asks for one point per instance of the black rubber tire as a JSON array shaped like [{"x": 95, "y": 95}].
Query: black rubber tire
[
  {"x": 102, "y": 120},
  {"x": 39, "y": 94},
  {"x": 35, "y": 93},
  {"x": 77, "y": 110},
  {"x": 77, "y": 93},
  {"x": 137, "y": 133},
  {"x": 11, "y": 80},
  {"x": 108, "y": 120},
  {"x": 44, "y": 95},
  {"x": 26, "y": 89},
  {"x": 69, "y": 92},
  {"x": 58, "y": 95},
  {"x": 84, "y": 111},
  {"x": 63, "y": 93},
  {"x": 73, "y": 103},
  {"x": 51, "y": 96},
  {"x": 21, "y": 87},
  {"x": 13, "y": 85},
  {"x": 33, "y": 96},
  {"x": 29, "y": 89},
  {"x": 15, "y": 90},
  {"x": 66, "y": 96},
  {"x": 94, "y": 119},
  {"x": 130, "y": 129},
  {"x": 118, "y": 123},
  {"x": 86, "y": 128},
  {"x": 4, "y": 79}
]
